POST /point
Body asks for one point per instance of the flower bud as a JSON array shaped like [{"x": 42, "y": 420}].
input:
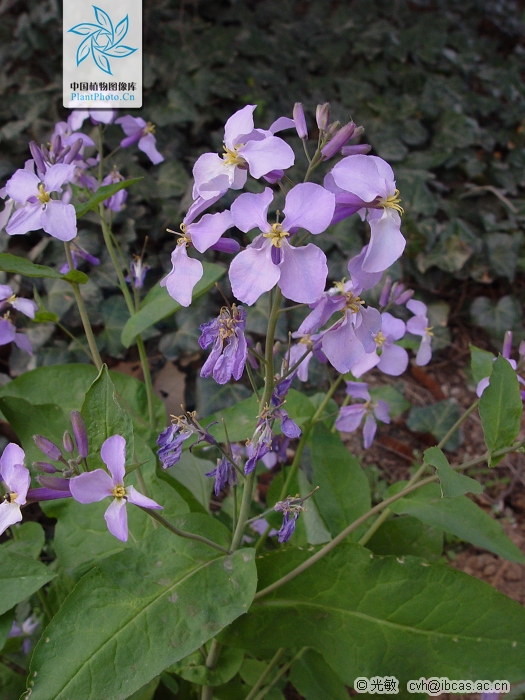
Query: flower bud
[
  {"x": 338, "y": 141},
  {"x": 300, "y": 121},
  {"x": 360, "y": 149},
  {"x": 37, "y": 157},
  {"x": 44, "y": 467},
  {"x": 47, "y": 447},
  {"x": 73, "y": 152},
  {"x": 56, "y": 144},
  {"x": 68, "y": 443},
  {"x": 53, "y": 482},
  {"x": 322, "y": 116},
  {"x": 507, "y": 345},
  {"x": 79, "y": 430},
  {"x": 385, "y": 293},
  {"x": 226, "y": 245}
]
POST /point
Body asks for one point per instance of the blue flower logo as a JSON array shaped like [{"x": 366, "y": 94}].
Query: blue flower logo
[{"x": 102, "y": 40}]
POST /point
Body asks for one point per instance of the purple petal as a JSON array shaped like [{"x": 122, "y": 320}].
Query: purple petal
[
  {"x": 303, "y": 273},
  {"x": 199, "y": 206},
  {"x": 323, "y": 310},
  {"x": 361, "y": 279},
  {"x": 7, "y": 331},
  {"x": 77, "y": 118},
  {"x": 418, "y": 308},
  {"x": 308, "y": 206},
  {"x": 269, "y": 154},
  {"x": 209, "y": 365},
  {"x": 392, "y": 326},
  {"x": 19, "y": 480},
  {"x": 11, "y": 456},
  {"x": 131, "y": 125},
  {"x": 226, "y": 245},
  {"x": 369, "y": 320},
  {"x": 131, "y": 140},
  {"x": 184, "y": 276},
  {"x": 381, "y": 411},
  {"x": 116, "y": 518},
  {"x": 113, "y": 454},
  {"x": 365, "y": 364},
  {"x": 138, "y": 499},
  {"x": 482, "y": 385},
  {"x": 417, "y": 325},
  {"x": 91, "y": 487},
  {"x": 424, "y": 354},
  {"x": 369, "y": 431},
  {"x": 147, "y": 145},
  {"x": 22, "y": 185},
  {"x": 290, "y": 427},
  {"x": 282, "y": 123},
  {"x": 342, "y": 347},
  {"x": 387, "y": 243},
  {"x": 28, "y": 218},
  {"x": 10, "y": 514},
  {"x": 250, "y": 211},
  {"x": 393, "y": 360},
  {"x": 223, "y": 370},
  {"x": 299, "y": 121},
  {"x": 358, "y": 390},
  {"x": 22, "y": 341},
  {"x": 56, "y": 175},
  {"x": 350, "y": 417},
  {"x": 103, "y": 116},
  {"x": 26, "y": 306},
  {"x": 211, "y": 176},
  {"x": 209, "y": 229},
  {"x": 60, "y": 220},
  {"x": 252, "y": 272},
  {"x": 238, "y": 126},
  {"x": 360, "y": 175}
]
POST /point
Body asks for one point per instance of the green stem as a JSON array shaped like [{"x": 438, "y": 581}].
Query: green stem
[
  {"x": 83, "y": 313},
  {"x": 147, "y": 380},
  {"x": 281, "y": 673},
  {"x": 211, "y": 662},
  {"x": 275, "y": 660},
  {"x": 182, "y": 533}
]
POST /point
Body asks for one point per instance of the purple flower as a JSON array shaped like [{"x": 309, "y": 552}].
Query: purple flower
[
  {"x": 245, "y": 149},
  {"x": 418, "y": 325},
  {"x": 366, "y": 184},
  {"x": 170, "y": 440},
  {"x": 270, "y": 259},
  {"x": 17, "y": 480},
  {"x": 288, "y": 527},
  {"x": 78, "y": 253},
  {"x": 137, "y": 271},
  {"x": 9, "y": 334},
  {"x": 350, "y": 417},
  {"x": 224, "y": 473},
  {"x": 307, "y": 341},
  {"x": 80, "y": 433},
  {"x": 7, "y": 298},
  {"x": 116, "y": 201},
  {"x": 388, "y": 357},
  {"x": 69, "y": 135},
  {"x": 94, "y": 486},
  {"x": 38, "y": 210},
  {"x": 137, "y": 131},
  {"x": 225, "y": 362},
  {"x": 204, "y": 234},
  {"x": 98, "y": 116}
]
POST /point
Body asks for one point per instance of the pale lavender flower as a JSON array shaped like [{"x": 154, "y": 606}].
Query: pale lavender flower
[
  {"x": 388, "y": 357},
  {"x": 351, "y": 417},
  {"x": 94, "y": 486},
  {"x": 25, "y": 630},
  {"x": 246, "y": 149},
  {"x": 366, "y": 184},
  {"x": 38, "y": 210},
  {"x": 224, "y": 473},
  {"x": 139, "y": 132},
  {"x": 307, "y": 341},
  {"x": 418, "y": 325},
  {"x": 116, "y": 201},
  {"x": 17, "y": 480},
  {"x": 68, "y": 135},
  {"x": 203, "y": 234},
  {"x": 225, "y": 361},
  {"x": 270, "y": 259},
  {"x": 138, "y": 270},
  {"x": 98, "y": 116},
  {"x": 9, "y": 334},
  {"x": 8, "y": 298}
]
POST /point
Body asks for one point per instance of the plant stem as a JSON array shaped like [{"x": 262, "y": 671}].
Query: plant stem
[
  {"x": 211, "y": 662},
  {"x": 253, "y": 692},
  {"x": 83, "y": 313},
  {"x": 281, "y": 673},
  {"x": 147, "y": 380},
  {"x": 182, "y": 533}
]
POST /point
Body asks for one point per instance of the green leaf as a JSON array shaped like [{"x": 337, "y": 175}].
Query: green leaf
[
  {"x": 497, "y": 319},
  {"x": 146, "y": 692},
  {"x": 500, "y": 407},
  {"x": 46, "y": 317},
  {"x": 140, "y": 611},
  {"x": 315, "y": 680},
  {"x": 452, "y": 483},
  {"x": 406, "y": 535},
  {"x": 12, "y": 684},
  {"x": 23, "y": 266},
  {"x": 481, "y": 363},
  {"x": 20, "y": 577},
  {"x": 344, "y": 491},
  {"x": 397, "y": 404},
  {"x": 158, "y": 304},
  {"x": 104, "y": 192},
  {"x": 459, "y": 516},
  {"x": 30, "y": 538},
  {"x": 437, "y": 420},
  {"x": 193, "y": 669},
  {"x": 6, "y": 622},
  {"x": 105, "y": 417},
  {"x": 190, "y": 471},
  {"x": 386, "y": 616}
]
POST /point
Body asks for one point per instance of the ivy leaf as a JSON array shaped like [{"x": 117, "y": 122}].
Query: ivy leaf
[
  {"x": 452, "y": 483},
  {"x": 104, "y": 192}
]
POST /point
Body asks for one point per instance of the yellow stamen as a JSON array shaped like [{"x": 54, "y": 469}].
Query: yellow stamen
[
  {"x": 276, "y": 235},
  {"x": 11, "y": 299},
  {"x": 392, "y": 202},
  {"x": 306, "y": 341},
  {"x": 119, "y": 492},
  {"x": 379, "y": 339},
  {"x": 231, "y": 157},
  {"x": 149, "y": 129},
  {"x": 43, "y": 196},
  {"x": 428, "y": 331},
  {"x": 353, "y": 303},
  {"x": 10, "y": 497}
]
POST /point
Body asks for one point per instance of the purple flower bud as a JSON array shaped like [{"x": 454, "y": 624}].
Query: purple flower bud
[
  {"x": 45, "y": 494},
  {"x": 54, "y": 482},
  {"x": 226, "y": 245},
  {"x": 274, "y": 176},
  {"x": 37, "y": 157},
  {"x": 333, "y": 129},
  {"x": 360, "y": 149},
  {"x": 56, "y": 144},
  {"x": 300, "y": 121},
  {"x": 338, "y": 141},
  {"x": 385, "y": 294},
  {"x": 81, "y": 437},
  {"x": 68, "y": 443},
  {"x": 47, "y": 447},
  {"x": 359, "y": 131},
  {"x": 44, "y": 467},
  {"x": 322, "y": 116},
  {"x": 73, "y": 152},
  {"x": 403, "y": 298},
  {"x": 507, "y": 345}
]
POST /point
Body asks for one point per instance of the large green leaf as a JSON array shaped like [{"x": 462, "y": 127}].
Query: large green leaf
[
  {"x": 480, "y": 363},
  {"x": 140, "y": 611},
  {"x": 459, "y": 516},
  {"x": 30, "y": 538},
  {"x": 105, "y": 417},
  {"x": 190, "y": 471},
  {"x": 193, "y": 668},
  {"x": 452, "y": 482},
  {"x": 23, "y": 266},
  {"x": 12, "y": 684},
  {"x": 344, "y": 491},
  {"x": 6, "y": 622},
  {"x": 315, "y": 680},
  {"x": 500, "y": 406},
  {"x": 406, "y": 535},
  {"x": 20, "y": 577},
  {"x": 104, "y": 192},
  {"x": 385, "y": 616},
  {"x": 158, "y": 304}
]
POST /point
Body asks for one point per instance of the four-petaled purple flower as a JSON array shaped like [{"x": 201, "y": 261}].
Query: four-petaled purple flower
[
  {"x": 350, "y": 417},
  {"x": 8, "y": 298},
  {"x": 9, "y": 334},
  {"x": 139, "y": 132},
  {"x": 224, "y": 473},
  {"x": 388, "y": 357},
  {"x": 117, "y": 200},
  {"x": 38, "y": 210},
  {"x": 94, "y": 486},
  {"x": 225, "y": 362},
  {"x": 291, "y": 508},
  {"x": 17, "y": 479},
  {"x": 270, "y": 259},
  {"x": 171, "y": 439}
]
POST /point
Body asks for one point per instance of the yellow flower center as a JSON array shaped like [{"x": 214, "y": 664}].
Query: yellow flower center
[
  {"x": 149, "y": 128},
  {"x": 231, "y": 156},
  {"x": 392, "y": 202},
  {"x": 119, "y": 492},
  {"x": 428, "y": 331},
  {"x": 306, "y": 341},
  {"x": 11, "y": 299},
  {"x": 10, "y": 497},
  {"x": 276, "y": 235},
  {"x": 43, "y": 196},
  {"x": 379, "y": 339}
]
